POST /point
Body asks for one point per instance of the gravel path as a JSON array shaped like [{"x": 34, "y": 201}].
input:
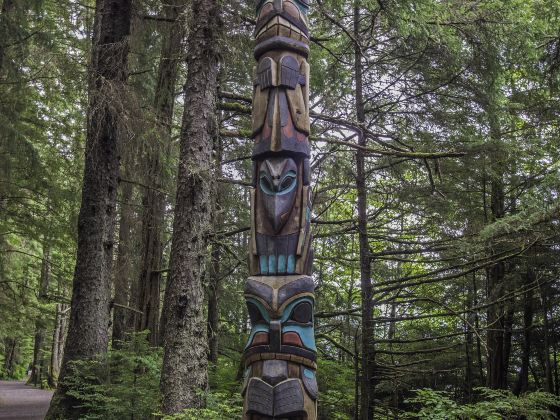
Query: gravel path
[{"x": 19, "y": 401}]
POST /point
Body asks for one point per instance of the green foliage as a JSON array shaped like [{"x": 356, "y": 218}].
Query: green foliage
[
  {"x": 223, "y": 376},
  {"x": 495, "y": 405},
  {"x": 219, "y": 406},
  {"x": 123, "y": 384},
  {"x": 336, "y": 390}
]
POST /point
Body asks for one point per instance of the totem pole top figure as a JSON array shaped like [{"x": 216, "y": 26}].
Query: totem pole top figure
[
  {"x": 281, "y": 79},
  {"x": 282, "y": 24}
]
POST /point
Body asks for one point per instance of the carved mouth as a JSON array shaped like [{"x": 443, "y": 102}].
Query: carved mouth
[{"x": 279, "y": 26}]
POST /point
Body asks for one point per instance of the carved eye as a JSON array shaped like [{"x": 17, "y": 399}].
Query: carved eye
[
  {"x": 302, "y": 313},
  {"x": 266, "y": 184},
  {"x": 287, "y": 182},
  {"x": 254, "y": 314}
]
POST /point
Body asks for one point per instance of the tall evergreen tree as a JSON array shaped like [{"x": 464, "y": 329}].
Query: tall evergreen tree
[
  {"x": 89, "y": 317},
  {"x": 184, "y": 372}
]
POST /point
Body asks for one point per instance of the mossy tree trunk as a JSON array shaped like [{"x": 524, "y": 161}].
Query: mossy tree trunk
[
  {"x": 90, "y": 314},
  {"x": 184, "y": 371}
]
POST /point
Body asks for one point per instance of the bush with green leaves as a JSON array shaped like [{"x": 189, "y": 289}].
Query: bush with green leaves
[
  {"x": 124, "y": 384},
  {"x": 219, "y": 406},
  {"x": 493, "y": 405}
]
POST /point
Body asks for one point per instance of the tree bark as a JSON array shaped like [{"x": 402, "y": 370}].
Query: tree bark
[
  {"x": 57, "y": 348},
  {"x": 549, "y": 381},
  {"x": 469, "y": 343},
  {"x": 368, "y": 349},
  {"x": 213, "y": 320},
  {"x": 496, "y": 363},
  {"x": 11, "y": 356},
  {"x": 37, "y": 370},
  {"x": 154, "y": 199},
  {"x": 90, "y": 314},
  {"x": 213, "y": 305},
  {"x": 184, "y": 371},
  {"x": 123, "y": 265},
  {"x": 7, "y": 6},
  {"x": 522, "y": 384}
]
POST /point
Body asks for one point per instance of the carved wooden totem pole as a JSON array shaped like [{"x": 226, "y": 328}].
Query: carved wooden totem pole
[{"x": 280, "y": 356}]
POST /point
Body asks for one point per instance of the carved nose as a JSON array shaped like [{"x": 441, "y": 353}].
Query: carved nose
[
  {"x": 275, "y": 207},
  {"x": 275, "y": 371}
]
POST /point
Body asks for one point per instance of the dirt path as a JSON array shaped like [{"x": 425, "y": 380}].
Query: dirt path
[{"x": 19, "y": 401}]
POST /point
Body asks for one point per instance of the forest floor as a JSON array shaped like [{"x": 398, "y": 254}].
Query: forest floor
[{"x": 19, "y": 401}]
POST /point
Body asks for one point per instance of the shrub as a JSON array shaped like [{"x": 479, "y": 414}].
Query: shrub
[
  {"x": 123, "y": 384},
  {"x": 494, "y": 405}
]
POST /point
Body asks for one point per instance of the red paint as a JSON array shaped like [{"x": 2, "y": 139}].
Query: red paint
[
  {"x": 259, "y": 339},
  {"x": 291, "y": 339}
]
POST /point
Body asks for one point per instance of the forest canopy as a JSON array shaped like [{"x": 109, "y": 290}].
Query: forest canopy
[{"x": 125, "y": 176}]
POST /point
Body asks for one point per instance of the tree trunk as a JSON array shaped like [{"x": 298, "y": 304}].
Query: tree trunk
[
  {"x": 57, "y": 348},
  {"x": 522, "y": 384},
  {"x": 477, "y": 328},
  {"x": 90, "y": 314},
  {"x": 496, "y": 375},
  {"x": 213, "y": 308},
  {"x": 40, "y": 329},
  {"x": 214, "y": 285},
  {"x": 123, "y": 264},
  {"x": 184, "y": 372},
  {"x": 469, "y": 342},
  {"x": 35, "y": 377},
  {"x": 7, "y": 6},
  {"x": 549, "y": 381},
  {"x": 11, "y": 356},
  {"x": 368, "y": 350},
  {"x": 154, "y": 198},
  {"x": 496, "y": 363}
]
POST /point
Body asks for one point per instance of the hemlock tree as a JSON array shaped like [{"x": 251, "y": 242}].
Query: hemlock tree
[
  {"x": 184, "y": 371},
  {"x": 90, "y": 314},
  {"x": 157, "y": 152}
]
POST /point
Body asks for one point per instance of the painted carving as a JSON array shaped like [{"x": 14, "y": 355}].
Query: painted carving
[{"x": 280, "y": 356}]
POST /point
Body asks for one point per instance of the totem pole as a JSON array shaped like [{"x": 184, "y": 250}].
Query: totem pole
[{"x": 280, "y": 355}]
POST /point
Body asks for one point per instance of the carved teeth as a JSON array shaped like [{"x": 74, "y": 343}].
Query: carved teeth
[{"x": 277, "y": 22}]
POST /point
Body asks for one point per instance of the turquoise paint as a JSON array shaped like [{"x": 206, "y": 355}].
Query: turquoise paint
[
  {"x": 261, "y": 308},
  {"x": 302, "y": 7},
  {"x": 291, "y": 264},
  {"x": 281, "y": 264},
  {"x": 308, "y": 373},
  {"x": 272, "y": 264},
  {"x": 263, "y": 264},
  {"x": 265, "y": 185},
  {"x": 256, "y": 328},
  {"x": 288, "y": 309},
  {"x": 305, "y": 333}
]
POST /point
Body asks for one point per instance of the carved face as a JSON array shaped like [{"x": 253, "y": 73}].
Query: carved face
[
  {"x": 294, "y": 328},
  {"x": 282, "y": 317},
  {"x": 280, "y": 379},
  {"x": 278, "y": 184},
  {"x": 285, "y": 18}
]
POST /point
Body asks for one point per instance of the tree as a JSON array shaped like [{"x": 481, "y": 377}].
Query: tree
[
  {"x": 157, "y": 153},
  {"x": 184, "y": 372},
  {"x": 89, "y": 315}
]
